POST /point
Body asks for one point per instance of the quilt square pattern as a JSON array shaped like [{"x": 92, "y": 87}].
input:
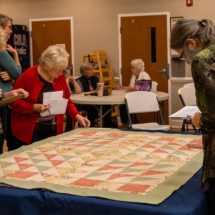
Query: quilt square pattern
[{"x": 101, "y": 160}]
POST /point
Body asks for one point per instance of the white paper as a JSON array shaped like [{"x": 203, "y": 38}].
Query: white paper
[
  {"x": 52, "y": 95},
  {"x": 186, "y": 112},
  {"x": 58, "y": 106}
]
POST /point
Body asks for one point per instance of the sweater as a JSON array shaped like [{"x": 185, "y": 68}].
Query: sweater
[
  {"x": 8, "y": 64},
  {"x": 85, "y": 82},
  {"x": 23, "y": 117}
]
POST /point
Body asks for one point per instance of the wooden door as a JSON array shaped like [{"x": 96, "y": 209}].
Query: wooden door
[
  {"x": 52, "y": 32},
  {"x": 145, "y": 37}
]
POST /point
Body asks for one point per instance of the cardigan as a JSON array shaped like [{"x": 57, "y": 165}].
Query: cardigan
[
  {"x": 8, "y": 64},
  {"x": 23, "y": 117}
]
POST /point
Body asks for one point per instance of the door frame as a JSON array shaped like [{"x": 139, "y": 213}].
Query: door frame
[
  {"x": 168, "y": 48},
  {"x": 50, "y": 19}
]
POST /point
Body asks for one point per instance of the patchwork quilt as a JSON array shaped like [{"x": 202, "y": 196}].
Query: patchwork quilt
[{"x": 121, "y": 165}]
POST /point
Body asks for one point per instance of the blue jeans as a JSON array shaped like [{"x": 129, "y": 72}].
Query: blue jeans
[{"x": 3, "y": 116}]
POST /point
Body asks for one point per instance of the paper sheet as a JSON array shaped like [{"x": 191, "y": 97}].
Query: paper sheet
[
  {"x": 53, "y": 95},
  {"x": 56, "y": 101},
  {"x": 186, "y": 112}
]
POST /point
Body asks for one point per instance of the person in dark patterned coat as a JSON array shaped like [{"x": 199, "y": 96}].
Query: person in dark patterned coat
[{"x": 194, "y": 40}]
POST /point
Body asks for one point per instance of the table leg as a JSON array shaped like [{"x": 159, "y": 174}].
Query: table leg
[
  {"x": 100, "y": 113},
  {"x": 163, "y": 111}
]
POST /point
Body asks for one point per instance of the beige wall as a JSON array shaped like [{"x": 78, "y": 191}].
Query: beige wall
[{"x": 96, "y": 22}]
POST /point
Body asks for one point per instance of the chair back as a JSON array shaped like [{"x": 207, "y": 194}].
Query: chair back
[
  {"x": 141, "y": 102},
  {"x": 187, "y": 96},
  {"x": 189, "y": 85},
  {"x": 154, "y": 86}
]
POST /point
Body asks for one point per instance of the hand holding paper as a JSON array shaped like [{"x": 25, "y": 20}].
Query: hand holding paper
[{"x": 56, "y": 101}]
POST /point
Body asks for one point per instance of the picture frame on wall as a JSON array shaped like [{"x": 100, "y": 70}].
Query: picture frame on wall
[{"x": 173, "y": 20}]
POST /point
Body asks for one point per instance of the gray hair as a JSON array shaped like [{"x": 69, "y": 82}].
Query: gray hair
[
  {"x": 84, "y": 67},
  {"x": 190, "y": 28},
  {"x": 54, "y": 56},
  {"x": 139, "y": 64},
  {"x": 3, "y": 39},
  {"x": 68, "y": 71},
  {"x": 4, "y": 20}
]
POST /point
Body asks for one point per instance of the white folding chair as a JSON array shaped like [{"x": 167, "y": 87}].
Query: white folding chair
[
  {"x": 189, "y": 85},
  {"x": 154, "y": 86},
  {"x": 188, "y": 98},
  {"x": 144, "y": 102}
]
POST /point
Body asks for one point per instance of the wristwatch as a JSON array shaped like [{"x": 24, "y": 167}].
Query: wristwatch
[{"x": 2, "y": 97}]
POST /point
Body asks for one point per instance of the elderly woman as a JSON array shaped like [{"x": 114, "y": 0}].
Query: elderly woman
[
  {"x": 195, "y": 41},
  {"x": 27, "y": 124},
  {"x": 140, "y": 81},
  {"x": 88, "y": 82}
]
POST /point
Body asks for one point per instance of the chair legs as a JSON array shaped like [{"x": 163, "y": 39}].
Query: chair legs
[{"x": 186, "y": 123}]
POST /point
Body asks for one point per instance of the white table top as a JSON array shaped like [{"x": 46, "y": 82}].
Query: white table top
[{"x": 117, "y": 97}]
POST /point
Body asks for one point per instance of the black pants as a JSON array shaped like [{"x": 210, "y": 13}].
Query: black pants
[
  {"x": 11, "y": 139},
  {"x": 37, "y": 136},
  {"x": 124, "y": 115},
  {"x": 93, "y": 114},
  {"x": 211, "y": 182},
  {"x": 3, "y": 116}
]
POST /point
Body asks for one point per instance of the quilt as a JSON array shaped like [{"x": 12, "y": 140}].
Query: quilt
[{"x": 127, "y": 166}]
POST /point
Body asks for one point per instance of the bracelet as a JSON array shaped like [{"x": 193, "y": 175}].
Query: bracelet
[{"x": 2, "y": 97}]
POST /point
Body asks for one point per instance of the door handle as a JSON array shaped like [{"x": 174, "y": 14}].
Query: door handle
[{"x": 165, "y": 71}]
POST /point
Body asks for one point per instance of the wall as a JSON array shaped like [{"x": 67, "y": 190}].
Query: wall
[{"x": 96, "y": 21}]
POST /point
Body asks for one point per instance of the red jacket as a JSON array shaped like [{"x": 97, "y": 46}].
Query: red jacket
[{"x": 23, "y": 117}]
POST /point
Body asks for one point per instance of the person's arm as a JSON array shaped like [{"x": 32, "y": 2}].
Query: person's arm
[
  {"x": 22, "y": 106},
  {"x": 14, "y": 53},
  {"x": 77, "y": 88},
  {"x": 72, "y": 111},
  {"x": 8, "y": 64},
  {"x": 80, "y": 85},
  {"x": 16, "y": 93}
]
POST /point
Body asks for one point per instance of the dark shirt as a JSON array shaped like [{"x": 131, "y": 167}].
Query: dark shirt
[{"x": 46, "y": 123}]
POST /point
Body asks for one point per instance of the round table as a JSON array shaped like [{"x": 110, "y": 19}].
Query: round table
[{"x": 116, "y": 98}]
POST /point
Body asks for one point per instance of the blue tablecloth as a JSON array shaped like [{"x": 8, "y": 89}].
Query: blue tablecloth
[{"x": 188, "y": 200}]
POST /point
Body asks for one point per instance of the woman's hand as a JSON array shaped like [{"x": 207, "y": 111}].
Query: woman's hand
[
  {"x": 71, "y": 79},
  {"x": 196, "y": 118},
  {"x": 129, "y": 89},
  {"x": 5, "y": 77},
  {"x": 195, "y": 145},
  {"x": 16, "y": 92},
  {"x": 40, "y": 108},
  {"x": 119, "y": 87},
  {"x": 10, "y": 49},
  {"x": 83, "y": 121}
]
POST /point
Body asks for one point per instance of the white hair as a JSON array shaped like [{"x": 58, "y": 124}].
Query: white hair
[
  {"x": 139, "y": 64},
  {"x": 53, "y": 57},
  {"x": 3, "y": 39}
]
